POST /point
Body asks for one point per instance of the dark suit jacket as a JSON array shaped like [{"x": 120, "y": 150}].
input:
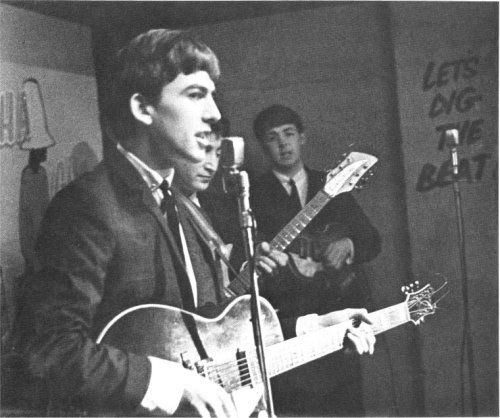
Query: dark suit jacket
[{"x": 104, "y": 246}]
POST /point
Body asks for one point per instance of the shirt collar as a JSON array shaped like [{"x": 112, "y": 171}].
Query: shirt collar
[
  {"x": 152, "y": 178},
  {"x": 297, "y": 178}
]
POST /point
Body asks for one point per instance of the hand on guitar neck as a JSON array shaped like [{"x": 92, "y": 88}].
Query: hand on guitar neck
[{"x": 359, "y": 333}]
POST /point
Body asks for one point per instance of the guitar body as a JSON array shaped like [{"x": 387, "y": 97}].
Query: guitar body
[
  {"x": 348, "y": 286},
  {"x": 166, "y": 332},
  {"x": 189, "y": 339}
]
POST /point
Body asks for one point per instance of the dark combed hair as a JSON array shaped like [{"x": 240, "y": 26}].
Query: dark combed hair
[
  {"x": 275, "y": 115},
  {"x": 152, "y": 60}
]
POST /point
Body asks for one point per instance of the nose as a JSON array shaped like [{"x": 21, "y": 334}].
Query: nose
[
  {"x": 281, "y": 140},
  {"x": 211, "y": 111},
  {"x": 212, "y": 163}
]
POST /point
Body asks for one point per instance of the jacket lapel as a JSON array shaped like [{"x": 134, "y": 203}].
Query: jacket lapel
[{"x": 129, "y": 179}]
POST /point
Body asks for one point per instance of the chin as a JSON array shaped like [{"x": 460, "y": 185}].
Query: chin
[{"x": 201, "y": 187}]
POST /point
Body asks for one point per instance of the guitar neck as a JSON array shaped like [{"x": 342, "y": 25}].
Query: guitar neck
[
  {"x": 306, "y": 348},
  {"x": 292, "y": 230}
]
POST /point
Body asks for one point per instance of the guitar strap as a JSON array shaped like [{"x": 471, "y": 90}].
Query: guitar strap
[{"x": 209, "y": 236}]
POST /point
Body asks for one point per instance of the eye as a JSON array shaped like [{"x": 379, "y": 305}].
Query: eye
[
  {"x": 196, "y": 94},
  {"x": 270, "y": 138}
]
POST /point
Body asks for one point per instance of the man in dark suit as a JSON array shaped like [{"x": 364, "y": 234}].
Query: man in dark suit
[
  {"x": 106, "y": 244},
  {"x": 331, "y": 386},
  {"x": 113, "y": 239}
]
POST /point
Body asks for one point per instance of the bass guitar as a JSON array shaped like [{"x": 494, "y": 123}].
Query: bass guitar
[
  {"x": 343, "y": 178},
  {"x": 222, "y": 349}
]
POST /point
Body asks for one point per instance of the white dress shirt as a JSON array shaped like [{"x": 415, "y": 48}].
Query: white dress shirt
[{"x": 301, "y": 183}]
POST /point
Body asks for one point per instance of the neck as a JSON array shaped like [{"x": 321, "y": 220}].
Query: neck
[
  {"x": 141, "y": 148},
  {"x": 289, "y": 171}
]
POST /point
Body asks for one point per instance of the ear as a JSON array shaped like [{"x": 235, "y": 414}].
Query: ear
[
  {"x": 303, "y": 138},
  {"x": 141, "y": 109}
]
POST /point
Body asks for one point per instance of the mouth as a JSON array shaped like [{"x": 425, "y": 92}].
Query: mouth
[
  {"x": 205, "y": 179},
  {"x": 204, "y": 135}
]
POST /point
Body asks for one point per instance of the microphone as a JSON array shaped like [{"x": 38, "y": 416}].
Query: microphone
[
  {"x": 232, "y": 152},
  {"x": 231, "y": 159},
  {"x": 452, "y": 142}
]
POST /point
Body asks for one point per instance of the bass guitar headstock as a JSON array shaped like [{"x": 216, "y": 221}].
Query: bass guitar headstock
[{"x": 349, "y": 173}]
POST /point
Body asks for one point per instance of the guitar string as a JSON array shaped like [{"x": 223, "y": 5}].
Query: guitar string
[
  {"x": 309, "y": 212},
  {"x": 238, "y": 373}
]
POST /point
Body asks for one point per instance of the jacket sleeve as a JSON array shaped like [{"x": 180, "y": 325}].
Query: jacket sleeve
[{"x": 75, "y": 248}]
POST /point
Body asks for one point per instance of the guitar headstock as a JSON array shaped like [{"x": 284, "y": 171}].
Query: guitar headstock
[
  {"x": 422, "y": 302},
  {"x": 347, "y": 175}
]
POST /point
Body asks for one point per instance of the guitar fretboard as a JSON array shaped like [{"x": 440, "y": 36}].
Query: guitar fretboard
[
  {"x": 292, "y": 230},
  {"x": 390, "y": 317}
]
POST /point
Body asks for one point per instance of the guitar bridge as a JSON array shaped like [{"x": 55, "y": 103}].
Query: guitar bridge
[{"x": 201, "y": 367}]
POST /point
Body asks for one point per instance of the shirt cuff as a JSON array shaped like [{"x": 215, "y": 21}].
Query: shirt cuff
[
  {"x": 165, "y": 387},
  {"x": 306, "y": 323}
]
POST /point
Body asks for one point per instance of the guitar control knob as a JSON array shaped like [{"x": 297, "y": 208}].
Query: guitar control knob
[{"x": 187, "y": 362}]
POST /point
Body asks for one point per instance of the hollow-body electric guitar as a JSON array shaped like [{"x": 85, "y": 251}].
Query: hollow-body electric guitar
[
  {"x": 222, "y": 349},
  {"x": 343, "y": 178}
]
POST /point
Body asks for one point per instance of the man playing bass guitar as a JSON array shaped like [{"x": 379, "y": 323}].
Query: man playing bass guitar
[{"x": 327, "y": 257}]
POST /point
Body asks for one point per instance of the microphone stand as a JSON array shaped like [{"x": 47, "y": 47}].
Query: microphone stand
[
  {"x": 467, "y": 337},
  {"x": 247, "y": 224}
]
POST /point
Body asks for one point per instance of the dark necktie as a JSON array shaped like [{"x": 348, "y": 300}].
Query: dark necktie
[
  {"x": 167, "y": 207},
  {"x": 294, "y": 200}
]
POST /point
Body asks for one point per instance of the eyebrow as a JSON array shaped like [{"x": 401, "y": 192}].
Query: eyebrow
[{"x": 272, "y": 131}]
